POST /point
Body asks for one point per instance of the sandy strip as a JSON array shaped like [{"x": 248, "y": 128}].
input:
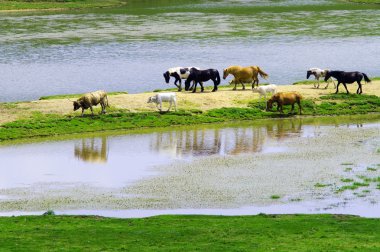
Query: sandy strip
[{"x": 186, "y": 100}]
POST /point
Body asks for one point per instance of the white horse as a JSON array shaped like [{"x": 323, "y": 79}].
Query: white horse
[
  {"x": 317, "y": 72},
  {"x": 264, "y": 90},
  {"x": 178, "y": 73},
  {"x": 164, "y": 97}
]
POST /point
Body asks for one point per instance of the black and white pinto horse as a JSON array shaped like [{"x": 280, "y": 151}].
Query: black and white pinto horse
[
  {"x": 200, "y": 76},
  {"x": 348, "y": 78},
  {"x": 178, "y": 73},
  {"x": 318, "y": 73}
]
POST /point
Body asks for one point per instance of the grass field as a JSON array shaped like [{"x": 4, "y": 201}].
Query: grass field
[{"x": 191, "y": 233}]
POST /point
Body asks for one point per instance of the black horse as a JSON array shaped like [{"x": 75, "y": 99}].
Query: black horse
[
  {"x": 348, "y": 78},
  {"x": 200, "y": 76}
]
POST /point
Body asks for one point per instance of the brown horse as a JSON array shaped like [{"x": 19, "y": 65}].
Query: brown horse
[
  {"x": 245, "y": 74},
  {"x": 283, "y": 98}
]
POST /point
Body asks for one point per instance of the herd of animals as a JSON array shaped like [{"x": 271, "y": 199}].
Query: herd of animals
[{"x": 242, "y": 75}]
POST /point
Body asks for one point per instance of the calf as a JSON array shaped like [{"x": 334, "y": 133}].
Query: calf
[
  {"x": 167, "y": 97},
  {"x": 92, "y": 99},
  {"x": 285, "y": 99}
]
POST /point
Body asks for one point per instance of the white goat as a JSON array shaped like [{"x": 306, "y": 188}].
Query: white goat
[{"x": 164, "y": 97}]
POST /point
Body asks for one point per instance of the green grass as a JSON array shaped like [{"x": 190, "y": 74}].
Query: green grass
[
  {"x": 42, "y": 125},
  {"x": 319, "y": 185},
  {"x": 275, "y": 197},
  {"x": 57, "y": 4},
  {"x": 191, "y": 233},
  {"x": 68, "y": 96}
]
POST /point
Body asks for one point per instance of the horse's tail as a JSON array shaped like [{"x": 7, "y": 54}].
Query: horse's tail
[
  {"x": 366, "y": 78},
  {"x": 217, "y": 77},
  {"x": 262, "y": 73}
]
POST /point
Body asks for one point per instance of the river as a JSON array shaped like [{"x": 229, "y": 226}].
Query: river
[
  {"x": 128, "y": 49},
  {"x": 214, "y": 169}
]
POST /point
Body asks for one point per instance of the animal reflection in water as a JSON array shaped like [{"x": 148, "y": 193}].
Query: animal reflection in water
[
  {"x": 229, "y": 141},
  {"x": 93, "y": 150}
]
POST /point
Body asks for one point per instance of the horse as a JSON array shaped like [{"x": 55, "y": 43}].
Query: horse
[
  {"x": 178, "y": 73},
  {"x": 199, "y": 76},
  {"x": 244, "y": 74},
  {"x": 347, "y": 78},
  {"x": 282, "y": 98},
  {"x": 317, "y": 72}
]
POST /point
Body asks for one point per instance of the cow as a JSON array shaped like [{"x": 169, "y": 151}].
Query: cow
[
  {"x": 283, "y": 98},
  {"x": 167, "y": 97},
  {"x": 92, "y": 99}
]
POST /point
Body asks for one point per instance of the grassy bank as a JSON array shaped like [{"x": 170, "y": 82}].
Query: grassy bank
[
  {"x": 189, "y": 233},
  {"x": 18, "y": 5},
  {"x": 44, "y": 125}
]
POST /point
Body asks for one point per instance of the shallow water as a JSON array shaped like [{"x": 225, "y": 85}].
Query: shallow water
[
  {"x": 128, "y": 49},
  {"x": 213, "y": 170}
]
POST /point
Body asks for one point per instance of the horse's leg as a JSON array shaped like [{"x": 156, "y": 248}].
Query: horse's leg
[
  {"x": 215, "y": 86},
  {"x": 359, "y": 91},
  {"x": 242, "y": 85},
  {"x": 299, "y": 105},
  {"x": 292, "y": 108},
  {"x": 318, "y": 82},
  {"x": 327, "y": 85},
  {"x": 337, "y": 87},
  {"x": 345, "y": 86},
  {"x": 235, "y": 84},
  {"x": 170, "y": 105},
  {"x": 195, "y": 87},
  {"x": 201, "y": 83},
  {"x": 175, "y": 104},
  {"x": 178, "y": 86}
]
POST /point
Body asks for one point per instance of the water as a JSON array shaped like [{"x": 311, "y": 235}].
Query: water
[
  {"x": 128, "y": 49},
  {"x": 231, "y": 170}
]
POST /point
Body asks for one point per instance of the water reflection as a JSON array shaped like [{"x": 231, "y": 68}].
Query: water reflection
[
  {"x": 93, "y": 150},
  {"x": 224, "y": 141}
]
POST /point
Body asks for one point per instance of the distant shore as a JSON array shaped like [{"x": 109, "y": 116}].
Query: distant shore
[{"x": 31, "y": 6}]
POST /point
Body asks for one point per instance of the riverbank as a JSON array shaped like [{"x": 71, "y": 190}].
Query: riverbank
[
  {"x": 27, "y": 6},
  {"x": 178, "y": 233},
  {"x": 52, "y": 116}
]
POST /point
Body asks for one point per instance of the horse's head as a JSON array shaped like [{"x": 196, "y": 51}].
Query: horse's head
[
  {"x": 225, "y": 73},
  {"x": 308, "y": 74},
  {"x": 167, "y": 76},
  {"x": 327, "y": 75}
]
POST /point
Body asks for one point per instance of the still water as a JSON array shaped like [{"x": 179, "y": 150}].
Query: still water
[
  {"x": 228, "y": 170},
  {"x": 128, "y": 49}
]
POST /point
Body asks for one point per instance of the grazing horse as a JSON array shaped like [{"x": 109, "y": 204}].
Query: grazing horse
[
  {"x": 178, "y": 73},
  {"x": 282, "y": 98},
  {"x": 348, "y": 78},
  {"x": 318, "y": 73},
  {"x": 244, "y": 74},
  {"x": 200, "y": 76}
]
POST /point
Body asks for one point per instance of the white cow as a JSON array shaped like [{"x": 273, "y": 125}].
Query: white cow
[{"x": 164, "y": 97}]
